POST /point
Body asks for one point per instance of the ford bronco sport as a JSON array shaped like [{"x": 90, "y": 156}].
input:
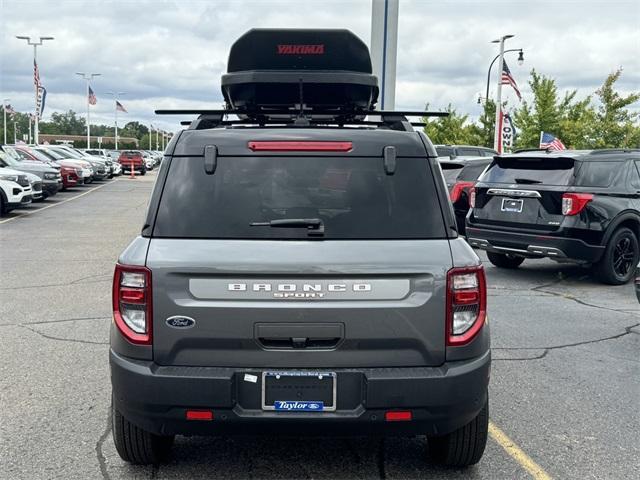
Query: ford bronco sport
[{"x": 299, "y": 270}]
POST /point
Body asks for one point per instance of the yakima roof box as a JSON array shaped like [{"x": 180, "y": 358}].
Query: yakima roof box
[{"x": 275, "y": 69}]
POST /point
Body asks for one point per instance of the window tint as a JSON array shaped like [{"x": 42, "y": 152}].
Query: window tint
[
  {"x": 472, "y": 171},
  {"x": 634, "y": 176},
  {"x": 535, "y": 170},
  {"x": 444, "y": 151},
  {"x": 468, "y": 152},
  {"x": 353, "y": 197},
  {"x": 600, "y": 174}
]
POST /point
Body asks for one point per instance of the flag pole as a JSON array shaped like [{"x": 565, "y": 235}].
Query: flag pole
[
  {"x": 88, "y": 119},
  {"x": 116, "y": 130},
  {"x": 4, "y": 109},
  {"x": 497, "y": 144}
]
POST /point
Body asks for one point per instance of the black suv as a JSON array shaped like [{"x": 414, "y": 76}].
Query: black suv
[
  {"x": 461, "y": 176},
  {"x": 579, "y": 206},
  {"x": 299, "y": 270},
  {"x": 455, "y": 151}
]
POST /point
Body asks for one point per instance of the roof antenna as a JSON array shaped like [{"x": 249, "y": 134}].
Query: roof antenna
[{"x": 301, "y": 120}]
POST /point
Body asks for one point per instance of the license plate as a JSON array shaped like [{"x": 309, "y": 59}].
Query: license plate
[
  {"x": 511, "y": 205},
  {"x": 299, "y": 391}
]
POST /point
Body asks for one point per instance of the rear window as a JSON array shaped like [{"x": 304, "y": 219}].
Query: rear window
[
  {"x": 468, "y": 152},
  {"x": 352, "y": 196},
  {"x": 601, "y": 174},
  {"x": 444, "y": 151},
  {"x": 546, "y": 171},
  {"x": 472, "y": 171},
  {"x": 451, "y": 171}
]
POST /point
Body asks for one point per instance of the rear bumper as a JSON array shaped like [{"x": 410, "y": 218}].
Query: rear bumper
[
  {"x": 441, "y": 399},
  {"x": 534, "y": 246}
]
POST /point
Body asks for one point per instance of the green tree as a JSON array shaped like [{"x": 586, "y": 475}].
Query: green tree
[
  {"x": 615, "y": 125},
  {"x": 482, "y": 132},
  {"x": 452, "y": 129},
  {"x": 67, "y": 123}
]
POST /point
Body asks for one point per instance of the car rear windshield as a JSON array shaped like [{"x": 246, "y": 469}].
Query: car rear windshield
[
  {"x": 352, "y": 196},
  {"x": 530, "y": 171}
]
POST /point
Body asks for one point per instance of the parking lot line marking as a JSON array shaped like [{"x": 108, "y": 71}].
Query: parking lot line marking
[
  {"x": 58, "y": 203},
  {"x": 515, "y": 452}
]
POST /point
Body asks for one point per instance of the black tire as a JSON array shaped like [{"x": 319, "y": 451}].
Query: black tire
[
  {"x": 618, "y": 263},
  {"x": 3, "y": 209},
  {"x": 138, "y": 446},
  {"x": 503, "y": 260},
  {"x": 462, "y": 447},
  {"x": 143, "y": 171}
]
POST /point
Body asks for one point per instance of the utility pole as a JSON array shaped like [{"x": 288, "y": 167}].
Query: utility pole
[
  {"x": 88, "y": 77},
  {"x": 115, "y": 99},
  {"x": 384, "y": 47},
  {"x": 36, "y": 77},
  {"x": 497, "y": 139},
  {"x": 4, "y": 109}
]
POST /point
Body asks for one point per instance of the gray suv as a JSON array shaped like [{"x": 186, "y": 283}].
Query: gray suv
[{"x": 300, "y": 279}]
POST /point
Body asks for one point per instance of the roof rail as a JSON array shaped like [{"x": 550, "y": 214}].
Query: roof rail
[{"x": 394, "y": 120}]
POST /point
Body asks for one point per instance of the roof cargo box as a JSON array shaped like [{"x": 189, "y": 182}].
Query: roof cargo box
[{"x": 275, "y": 69}]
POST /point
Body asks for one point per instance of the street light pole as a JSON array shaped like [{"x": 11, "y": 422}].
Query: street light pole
[
  {"x": 4, "y": 109},
  {"x": 520, "y": 61},
  {"x": 157, "y": 144},
  {"x": 35, "y": 52},
  {"x": 88, "y": 77},
  {"x": 497, "y": 144},
  {"x": 115, "y": 100},
  {"x": 15, "y": 133}
]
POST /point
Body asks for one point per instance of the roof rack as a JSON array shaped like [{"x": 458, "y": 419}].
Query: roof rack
[{"x": 393, "y": 120}]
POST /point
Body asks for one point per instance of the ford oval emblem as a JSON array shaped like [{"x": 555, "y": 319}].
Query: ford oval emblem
[{"x": 180, "y": 321}]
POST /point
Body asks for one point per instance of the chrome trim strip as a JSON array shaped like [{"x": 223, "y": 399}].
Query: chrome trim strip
[{"x": 514, "y": 193}]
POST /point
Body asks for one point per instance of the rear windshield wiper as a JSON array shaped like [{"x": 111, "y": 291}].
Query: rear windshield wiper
[
  {"x": 315, "y": 226},
  {"x": 526, "y": 180}
]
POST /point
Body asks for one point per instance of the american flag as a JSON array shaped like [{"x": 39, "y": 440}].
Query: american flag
[
  {"x": 92, "y": 97},
  {"x": 120, "y": 107},
  {"x": 36, "y": 75},
  {"x": 550, "y": 142},
  {"x": 507, "y": 79},
  {"x": 9, "y": 109}
]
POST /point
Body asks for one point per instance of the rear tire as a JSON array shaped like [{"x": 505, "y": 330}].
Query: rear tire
[
  {"x": 137, "y": 446},
  {"x": 503, "y": 260},
  {"x": 618, "y": 263},
  {"x": 462, "y": 447},
  {"x": 3, "y": 209}
]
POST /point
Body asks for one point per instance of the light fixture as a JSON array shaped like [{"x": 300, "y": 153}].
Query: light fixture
[{"x": 521, "y": 57}]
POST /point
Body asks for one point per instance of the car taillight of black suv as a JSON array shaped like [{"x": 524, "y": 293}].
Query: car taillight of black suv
[
  {"x": 300, "y": 272},
  {"x": 581, "y": 206}
]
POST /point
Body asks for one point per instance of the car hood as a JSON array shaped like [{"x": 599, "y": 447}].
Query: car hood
[
  {"x": 35, "y": 167},
  {"x": 11, "y": 171}
]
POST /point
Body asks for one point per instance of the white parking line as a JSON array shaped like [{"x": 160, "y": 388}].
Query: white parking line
[{"x": 23, "y": 214}]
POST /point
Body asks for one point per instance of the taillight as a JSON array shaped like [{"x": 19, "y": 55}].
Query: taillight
[
  {"x": 466, "y": 304},
  {"x": 472, "y": 198},
  {"x": 459, "y": 188},
  {"x": 132, "y": 303},
  {"x": 574, "y": 203},
  {"x": 300, "y": 146}
]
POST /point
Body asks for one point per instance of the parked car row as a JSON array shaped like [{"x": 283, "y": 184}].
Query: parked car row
[
  {"x": 33, "y": 173},
  {"x": 569, "y": 206}
]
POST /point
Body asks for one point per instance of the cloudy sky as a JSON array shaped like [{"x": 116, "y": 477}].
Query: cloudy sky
[{"x": 170, "y": 54}]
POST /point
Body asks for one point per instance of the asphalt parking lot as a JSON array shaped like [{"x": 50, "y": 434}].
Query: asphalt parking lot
[{"x": 565, "y": 386}]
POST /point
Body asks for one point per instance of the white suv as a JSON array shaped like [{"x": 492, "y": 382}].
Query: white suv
[{"x": 15, "y": 190}]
